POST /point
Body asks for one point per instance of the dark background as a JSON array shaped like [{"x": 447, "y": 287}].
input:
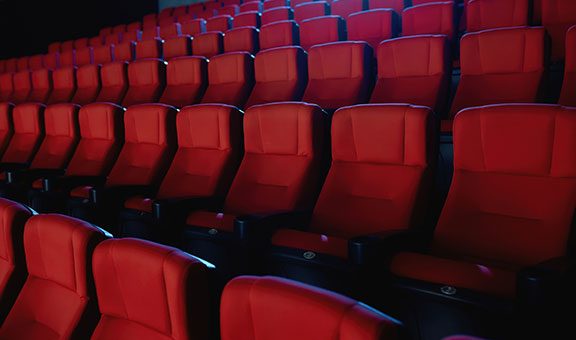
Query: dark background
[{"x": 27, "y": 27}]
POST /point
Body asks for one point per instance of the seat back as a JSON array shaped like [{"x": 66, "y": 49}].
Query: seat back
[
  {"x": 251, "y": 6},
  {"x": 488, "y": 14},
  {"x": 429, "y": 18},
  {"x": 6, "y": 125},
  {"x": 147, "y": 79},
  {"x": 186, "y": 81},
  {"x": 269, "y": 4},
  {"x": 344, "y": 8},
  {"x": 41, "y": 85},
  {"x": 250, "y": 19},
  {"x": 52, "y": 60},
  {"x": 149, "y": 48},
  {"x": 567, "y": 96},
  {"x": 208, "y": 44},
  {"x": 22, "y": 64},
  {"x": 64, "y": 82},
  {"x": 125, "y": 51},
  {"x": 88, "y": 84},
  {"x": 103, "y": 54},
  {"x": 519, "y": 161},
  {"x": 230, "y": 79},
  {"x": 277, "y": 14},
  {"x": 170, "y": 31},
  {"x": 114, "y": 78},
  {"x": 36, "y": 62},
  {"x": 310, "y": 10},
  {"x": 22, "y": 87},
  {"x": 322, "y": 30},
  {"x": 270, "y": 307},
  {"x": 277, "y": 34},
  {"x": 373, "y": 26},
  {"x": 6, "y": 86},
  {"x": 557, "y": 17},
  {"x": 177, "y": 47},
  {"x": 220, "y": 23},
  {"x": 281, "y": 167},
  {"x": 68, "y": 58},
  {"x": 85, "y": 56},
  {"x": 243, "y": 39},
  {"x": 396, "y": 5},
  {"x": 193, "y": 27},
  {"x": 28, "y": 133}
]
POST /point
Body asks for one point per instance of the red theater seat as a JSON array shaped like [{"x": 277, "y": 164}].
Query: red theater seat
[
  {"x": 96, "y": 41},
  {"x": 230, "y": 10},
  {"x": 208, "y": 44},
  {"x": 103, "y": 54},
  {"x": 57, "y": 291},
  {"x": 308, "y": 10},
  {"x": 152, "y": 32},
  {"x": 146, "y": 81},
  {"x": 414, "y": 70},
  {"x": 568, "y": 95},
  {"x": 149, "y": 20},
  {"x": 281, "y": 309},
  {"x": 113, "y": 39},
  {"x": 131, "y": 36},
  {"x": 177, "y": 47},
  {"x": 193, "y": 27},
  {"x": 68, "y": 58},
  {"x": 396, "y": 5},
  {"x": 373, "y": 26},
  {"x": 186, "y": 81},
  {"x": 250, "y": 19},
  {"x": 251, "y": 6},
  {"x": 64, "y": 82},
  {"x": 54, "y": 47},
  {"x": 487, "y": 14},
  {"x": 22, "y": 64},
  {"x": 242, "y": 39},
  {"x": 88, "y": 84},
  {"x": 230, "y": 79},
  {"x": 114, "y": 78},
  {"x": 22, "y": 87},
  {"x": 281, "y": 75},
  {"x": 344, "y": 8},
  {"x": 277, "y": 14},
  {"x": 28, "y": 134},
  {"x": 331, "y": 85},
  {"x": 12, "y": 65},
  {"x": 557, "y": 17},
  {"x": 6, "y": 125},
  {"x": 429, "y": 18},
  {"x": 119, "y": 28},
  {"x": 125, "y": 51},
  {"x": 85, "y": 56},
  {"x": 269, "y": 4},
  {"x": 6, "y": 86},
  {"x": 36, "y": 62},
  {"x": 41, "y": 86},
  {"x": 170, "y": 31},
  {"x": 135, "y": 26},
  {"x": 174, "y": 279},
  {"x": 220, "y": 23},
  {"x": 67, "y": 46},
  {"x": 149, "y": 49},
  {"x": 322, "y": 30},
  {"x": 281, "y": 33}
]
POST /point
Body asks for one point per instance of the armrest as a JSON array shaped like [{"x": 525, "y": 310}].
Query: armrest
[
  {"x": 263, "y": 225},
  {"x": 545, "y": 282},
  {"x": 29, "y": 175},
  {"x": 368, "y": 249},
  {"x": 118, "y": 193},
  {"x": 173, "y": 207},
  {"x": 68, "y": 183}
]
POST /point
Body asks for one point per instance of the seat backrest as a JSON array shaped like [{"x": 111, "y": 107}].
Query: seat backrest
[
  {"x": 381, "y": 174},
  {"x": 339, "y": 74},
  {"x": 243, "y": 39},
  {"x": 125, "y": 51},
  {"x": 415, "y": 70},
  {"x": 6, "y": 125},
  {"x": 429, "y": 18},
  {"x": 269, "y": 4},
  {"x": 119, "y": 28},
  {"x": 28, "y": 133},
  {"x": 101, "y": 137},
  {"x": 52, "y": 60},
  {"x": 103, "y": 54},
  {"x": 85, "y": 56},
  {"x": 59, "y": 288},
  {"x": 322, "y": 30},
  {"x": 64, "y": 83},
  {"x": 270, "y": 307},
  {"x": 250, "y": 19},
  {"x": 373, "y": 26},
  {"x": 277, "y": 14},
  {"x": 114, "y": 78},
  {"x": 22, "y": 87},
  {"x": 519, "y": 160},
  {"x": 281, "y": 75},
  {"x": 67, "y": 45},
  {"x": 96, "y": 41},
  {"x": 177, "y": 47},
  {"x": 149, "y": 48},
  {"x": 170, "y": 31},
  {"x": 149, "y": 130},
  {"x": 310, "y": 10},
  {"x": 54, "y": 47},
  {"x": 80, "y": 43},
  {"x": 36, "y": 62},
  {"x": 152, "y": 32},
  {"x": 41, "y": 85},
  {"x": 504, "y": 65},
  {"x": 186, "y": 81},
  {"x": 149, "y": 20},
  {"x": 134, "y": 26},
  {"x": 230, "y": 10},
  {"x": 277, "y": 34},
  {"x": 12, "y": 65},
  {"x": 488, "y": 14},
  {"x": 344, "y": 8},
  {"x": 230, "y": 79},
  {"x": 281, "y": 167},
  {"x": 251, "y": 6},
  {"x": 193, "y": 27},
  {"x": 68, "y": 58},
  {"x": 6, "y": 86},
  {"x": 209, "y": 151},
  {"x": 558, "y": 16},
  {"x": 220, "y": 23},
  {"x": 147, "y": 79},
  {"x": 12, "y": 259},
  {"x": 88, "y": 83},
  {"x": 172, "y": 305},
  {"x": 23, "y": 63},
  {"x": 132, "y": 36},
  {"x": 567, "y": 96},
  {"x": 208, "y": 44},
  {"x": 61, "y": 136}
]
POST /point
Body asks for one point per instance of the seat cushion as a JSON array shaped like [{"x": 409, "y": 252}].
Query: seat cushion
[
  {"x": 81, "y": 192},
  {"x": 478, "y": 277},
  {"x": 139, "y": 203},
  {"x": 317, "y": 243},
  {"x": 212, "y": 220}
]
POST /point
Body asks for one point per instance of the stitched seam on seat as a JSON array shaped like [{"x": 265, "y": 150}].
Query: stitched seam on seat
[
  {"x": 165, "y": 291},
  {"x": 250, "y": 308},
  {"x": 342, "y": 317},
  {"x": 115, "y": 269},
  {"x": 552, "y": 153}
]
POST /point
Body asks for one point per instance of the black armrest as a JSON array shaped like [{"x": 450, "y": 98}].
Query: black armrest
[
  {"x": 13, "y": 166},
  {"x": 545, "y": 282},
  {"x": 263, "y": 225},
  {"x": 68, "y": 183},
  {"x": 369, "y": 249},
  {"x": 29, "y": 175},
  {"x": 173, "y": 208},
  {"x": 111, "y": 195}
]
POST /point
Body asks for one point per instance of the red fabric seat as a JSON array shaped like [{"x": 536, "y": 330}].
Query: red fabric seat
[
  {"x": 170, "y": 31},
  {"x": 281, "y": 33},
  {"x": 568, "y": 95},
  {"x": 103, "y": 54},
  {"x": 68, "y": 58},
  {"x": 22, "y": 64},
  {"x": 52, "y": 60},
  {"x": 250, "y": 19},
  {"x": 6, "y": 125},
  {"x": 36, "y": 62},
  {"x": 85, "y": 56},
  {"x": 270, "y": 307},
  {"x": 208, "y": 44},
  {"x": 6, "y": 86},
  {"x": 41, "y": 86},
  {"x": 230, "y": 79},
  {"x": 64, "y": 85},
  {"x": 243, "y": 39},
  {"x": 28, "y": 133},
  {"x": 149, "y": 49},
  {"x": 88, "y": 84},
  {"x": 429, "y": 18},
  {"x": 146, "y": 79},
  {"x": 22, "y": 87},
  {"x": 11, "y": 65},
  {"x": 186, "y": 80},
  {"x": 277, "y": 14},
  {"x": 511, "y": 200},
  {"x": 152, "y": 32},
  {"x": 280, "y": 75},
  {"x": 322, "y": 30},
  {"x": 488, "y": 14},
  {"x": 413, "y": 70},
  {"x": 193, "y": 27},
  {"x": 220, "y": 23},
  {"x": 174, "y": 279},
  {"x": 67, "y": 45},
  {"x": 269, "y": 4},
  {"x": 309, "y": 10},
  {"x": 373, "y": 26},
  {"x": 54, "y": 47},
  {"x": 251, "y": 6},
  {"x": 177, "y": 47},
  {"x": 345, "y": 8},
  {"x": 96, "y": 41},
  {"x": 396, "y": 5},
  {"x": 57, "y": 295},
  {"x": 557, "y": 17},
  {"x": 332, "y": 86},
  {"x": 114, "y": 77},
  {"x": 125, "y": 51},
  {"x": 230, "y": 10}
]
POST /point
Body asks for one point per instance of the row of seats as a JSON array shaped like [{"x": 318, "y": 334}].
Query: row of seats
[{"x": 64, "y": 278}]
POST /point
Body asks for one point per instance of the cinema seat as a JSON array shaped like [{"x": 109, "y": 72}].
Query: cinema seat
[
  {"x": 28, "y": 120},
  {"x": 132, "y": 36},
  {"x": 125, "y": 51},
  {"x": 220, "y": 23},
  {"x": 152, "y": 32},
  {"x": 243, "y": 39},
  {"x": 170, "y": 31},
  {"x": 146, "y": 81},
  {"x": 269, "y": 4},
  {"x": 149, "y": 49},
  {"x": 557, "y": 17},
  {"x": 64, "y": 85},
  {"x": 41, "y": 86},
  {"x": 12, "y": 65},
  {"x": 177, "y": 47},
  {"x": 415, "y": 70},
  {"x": 186, "y": 81},
  {"x": 277, "y": 14},
  {"x": 96, "y": 41},
  {"x": 281, "y": 75},
  {"x": 568, "y": 95},
  {"x": 429, "y": 18},
  {"x": 114, "y": 78},
  {"x": 22, "y": 64},
  {"x": 85, "y": 56},
  {"x": 281, "y": 33},
  {"x": 193, "y": 27},
  {"x": 54, "y": 47},
  {"x": 230, "y": 79},
  {"x": 282, "y": 309},
  {"x": 251, "y": 6},
  {"x": 396, "y": 5},
  {"x": 13, "y": 262},
  {"x": 174, "y": 279},
  {"x": 309, "y": 10},
  {"x": 344, "y": 8},
  {"x": 59, "y": 288},
  {"x": 6, "y": 125},
  {"x": 332, "y": 86},
  {"x": 487, "y": 14},
  {"x": 22, "y": 87},
  {"x": 208, "y": 44},
  {"x": 202, "y": 167},
  {"x": 230, "y": 10},
  {"x": 36, "y": 62},
  {"x": 6, "y": 86},
  {"x": 322, "y": 30},
  {"x": 250, "y": 19},
  {"x": 134, "y": 26},
  {"x": 88, "y": 84},
  {"x": 373, "y": 26},
  {"x": 68, "y": 58},
  {"x": 67, "y": 46},
  {"x": 103, "y": 54}
]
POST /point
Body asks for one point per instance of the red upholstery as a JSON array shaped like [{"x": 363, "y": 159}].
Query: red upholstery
[
  {"x": 413, "y": 70},
  {"x": 277, "y": 14},
  {"x": 280, "y": 75},
  {"x": 6, "y": 126},
  {"x": 22, "y": 64},
  {"x": 487, "y": 14},
  {"x": 180, "y": 10},
  {"x": 88, "y": 84},
  {"x": 56, "y": 294},
  {"x": 177, "y": 47},
  {"x": 149, "y": 49},
  {"x": 500, "y": 66},
  {"x": 134, "y": 26},
  {"x": 64, "y": 82},
  {"x": 397, "y": 5},
  {"x": 22, "y": 87},
  {"x": 173, "y": 303},
  {"x": 12, "y": 65},
  {"x": 114, "y": 78},
  {"x": 243, "y": 39},
  {"x": 131, "y": 36},
  {"x": 152, "y": 32},
  {"x": 67, "y": 46},
  {"x": 170, "y": 31},
  {"x": 96, "y": 41},
  {"x": 103, "y": 54},
  {"x": 28, "y": 133},
  {"x": 430, "y": 18},
  {"x": 231, "y": 78},
  {"x": 322, "y": 30},
  {"x": 100, "y": 140},
  {"x": 511, "y": 201},
  {"x": 36, "y": 62},
  {"x": 113, "y": 38},
  {"x": 6, "y": 86},
  {"x": 54, "y": 47},
  {"x": 68, "y": 58},
  {"x": 140, "y": 203},
  {"x": 149, "y": 20},
  {"x": 339, "y": 74},
  {"x": 193, "y": 27},
  {"x": 230, "y": 10},
  {"x": 251, "y": 6},
  {"x": 269, "y": 4},
  {"x": 270, "y": 307},
  {"x": 119, "y": 28},
  {"x": 81, "y": 192},
  {"x": 147, "y": 79},
  {"x": 282, "y": 33},
  {"x": 41, "y": 85},
  {"x": 148, "y": 147},
  {"x": 568, "y": 95},
  {"x": 295, "y": 3},
  {"x": 125, "y": 51},
  {"x": 220, "y": 23},
  {"x": 208, "y": 44},
  {"x": 372, "y": 26},
  {"x": 344, "y": 8},
  {"x": 558, "y": 16},
  {"x": 61, "y": 137},
  {"x": 251, "y": 19},
  {"x": 310, "y": 10},
  {"x": 186, "y": 81},
  {"x": 85, "y": 56}
]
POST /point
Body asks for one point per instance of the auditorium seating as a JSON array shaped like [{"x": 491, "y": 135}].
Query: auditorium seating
[
  {"x": 114, "y": 78},
  {"x": 6, "y": 86},
  {"x": 208, "y": 44},
  {"x": 345, "y": 8},
  {"x": 22, "y": 87},
  {"x": 429, "y": 18},
  {"x": 125, "y": 51},
  {"x": 322, "y": 30},
  {"x": 373, "y": 26},
  {"x": 41, "y": 86},
  {"x": 557, "y": 17},
  {"x": 308, "y": 10},
  {"x": 488, "y": 14},
  {"x": 186, "y": 81},
  {"x": 250, "y": 19},
  {"x": 88, "y": 84},
  {"x": 281, "y": 33},
  {"x": 277, "y": 14},
  {"x": 396, "y": 5},
  {"x": 193, "y": 27},
  {"x": 85, "y": 56},
  {"x": 149, "y": 49},
  {"x": 6, "y": 125},
  {"x": 568, "y": 95},
  {"x": 242, "y": 39},
  {"x": 220, "y": 23},
  {"x": 146, "y": 81},
  {"x": 230, "y": 79},
  {"x": 177, "y": 47},
  {"x": 64, "y": 85},
  {"x": 28, "y": 120}
]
